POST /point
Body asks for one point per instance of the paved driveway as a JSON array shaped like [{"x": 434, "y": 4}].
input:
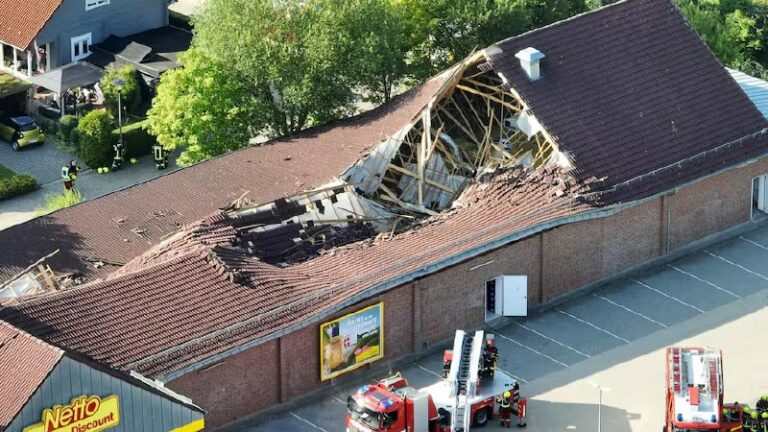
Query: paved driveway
[
  {"x": 43, "y": 162},
  {"x": 616, "y": 336}
]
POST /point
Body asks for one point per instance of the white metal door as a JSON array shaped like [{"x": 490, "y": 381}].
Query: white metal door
[
  {"x": 761, "y": 195},
  {"x": 514, "y": 295}
]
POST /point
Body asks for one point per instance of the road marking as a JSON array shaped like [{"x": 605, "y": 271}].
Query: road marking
[
  {"x": 338, "y": 399},
  {"x": 530, "y": 349},
  {"x": 754, "y": 243},
  {"x": 428, "y": 371},
  {"x": 553, "y": 340},
  {"x": 660, "y": 324},
  {"x": 523, "y": 380},
  {"x": 738, "y": 265},
  {"x": 704, "y": 280},
  {"x": 306, "y": 421},
  {"x": 593, "y": 326},
  {"x": 667, "y": 295}
]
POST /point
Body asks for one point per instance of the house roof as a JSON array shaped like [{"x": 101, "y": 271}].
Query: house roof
[
  {"x": 25, "y": 363},
  {"x": 151, "y": 52},
  {"x": 121, "y": 226},
  {"x": 22, "y": 20},
  {"x": 755, "y": 88},
  {"x": 69, "y": 76},
  {"x": 194, "y": 296},
  {"x": 628, "y": 89}
]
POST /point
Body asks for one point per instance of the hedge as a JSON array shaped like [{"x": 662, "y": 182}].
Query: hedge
[
  {"x": 138, "y": 142},
  {"x": 67, "y": 124},
  {"x": 17, "y": 185}
]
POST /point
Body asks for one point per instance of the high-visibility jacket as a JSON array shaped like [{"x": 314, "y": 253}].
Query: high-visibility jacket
[{"x": 504, "y": 402}]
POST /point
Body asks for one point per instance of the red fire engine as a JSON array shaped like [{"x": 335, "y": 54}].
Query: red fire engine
[
  {"x": 454, "y": 404},
  {"x": 695, "y": 392}
]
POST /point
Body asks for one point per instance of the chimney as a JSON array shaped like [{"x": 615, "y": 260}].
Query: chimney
[{"x": 529, "y": 61}]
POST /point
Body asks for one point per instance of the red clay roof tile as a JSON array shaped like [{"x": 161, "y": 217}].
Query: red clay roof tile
[
  {"x": 25, "y": 363},
  {"x": 22, "y": 20}
]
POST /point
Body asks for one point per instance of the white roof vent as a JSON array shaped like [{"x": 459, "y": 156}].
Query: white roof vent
[{"x": 529, "y": 61}]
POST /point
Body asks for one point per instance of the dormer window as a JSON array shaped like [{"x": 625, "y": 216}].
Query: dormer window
[{"x": 93, "y": 4}]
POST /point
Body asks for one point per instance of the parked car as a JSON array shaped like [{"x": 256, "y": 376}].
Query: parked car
[{"x": 20, "y": 131}]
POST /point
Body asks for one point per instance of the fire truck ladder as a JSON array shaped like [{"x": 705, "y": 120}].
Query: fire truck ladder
[{"x": 463, "y": 376}]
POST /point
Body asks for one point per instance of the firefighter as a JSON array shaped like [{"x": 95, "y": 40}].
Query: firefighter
[
  {"x": 160, "y": 156},
  {"x": 753, "y": 422},
  {"x": 69, "y": 175},
  {"x": 490, "y": 356},
  {"x": 762, "y": 404},
  {"x": 447, "y": 359},
  {"x": 518, "y": 406},
  {"x": 763, "y": 422},
  {"x": 118, "y": 159},
  {"x": 745, "y": 418},
  {"x": 505, "y": 409}
]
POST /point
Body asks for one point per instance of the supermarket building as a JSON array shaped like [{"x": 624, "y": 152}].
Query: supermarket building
[{"x": 542, "y": 164}]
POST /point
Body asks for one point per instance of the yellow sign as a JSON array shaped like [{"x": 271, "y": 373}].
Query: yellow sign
[
  {"x": 195, "y": 426},
  {"x": 351, "y": 341},
  {"x": 83, "y": 414}
]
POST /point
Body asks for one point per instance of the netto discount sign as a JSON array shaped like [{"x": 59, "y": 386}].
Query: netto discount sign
[
  {"x": 83, "y": 414},
  {"x": 351, "y": 341}
]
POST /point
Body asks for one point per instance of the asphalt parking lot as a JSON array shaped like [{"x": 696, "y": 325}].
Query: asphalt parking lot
[{"x": 615, "y": 336}]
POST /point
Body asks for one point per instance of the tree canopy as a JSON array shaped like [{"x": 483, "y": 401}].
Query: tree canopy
[{"x": 205, "y": 108}]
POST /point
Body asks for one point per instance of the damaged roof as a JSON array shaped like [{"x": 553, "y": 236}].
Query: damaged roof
[
  {"x": 121, "y": 226},
  {"x": 632, "y": 139},
  {"x": 219, "y": 298},
  {"x": 629, "y": 89}
]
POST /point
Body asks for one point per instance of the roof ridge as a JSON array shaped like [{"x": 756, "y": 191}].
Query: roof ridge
[
  {"x": 572, "y": 18},
  {"x": 27, "y": 335}
]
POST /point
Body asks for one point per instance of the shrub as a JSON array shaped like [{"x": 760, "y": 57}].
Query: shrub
[
  {"x": 58, "y": 201},
  {"x": 138, "y": 142},
  {"x": 95, "y": 131},
  {"x": 17, "y": 185},
  {"x": 66, "y": 124},
  {"x": 131, "y": 93}
]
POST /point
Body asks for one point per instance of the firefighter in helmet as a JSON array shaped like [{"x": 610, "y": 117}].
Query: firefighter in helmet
[
  {"x": 160, "y": 155},
  {"x": 505, "y": 409},
  {"x": 69, "y": 174},
  {"x": 754, "y": 422},
  {"x": 490, "y": 356},
  {"x": 746, "y": 418},
  {"x": 763, "y": 422},
  {"x": 762, "y": 404}
]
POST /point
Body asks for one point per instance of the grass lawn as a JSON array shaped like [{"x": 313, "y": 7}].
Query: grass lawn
[{"x": 5, "y": 172}]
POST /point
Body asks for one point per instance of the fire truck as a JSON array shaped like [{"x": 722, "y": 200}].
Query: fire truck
[
  {"x": 695, "y": 392},
  {"x": 454, "y": 404}
]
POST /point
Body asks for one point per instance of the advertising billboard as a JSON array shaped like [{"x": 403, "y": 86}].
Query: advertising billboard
[{"x": 351, "y": 341}]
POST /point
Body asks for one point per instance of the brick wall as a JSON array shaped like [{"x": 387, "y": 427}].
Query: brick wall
[
  {"x": 429, "y": 310},
  {"x": 240, "y": 385},
  {"x": 712, "y": 205},
  {"x": 461, "y": 290}
]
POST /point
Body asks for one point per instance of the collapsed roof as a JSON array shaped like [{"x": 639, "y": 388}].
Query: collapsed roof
[{"x": 629, "y": 103}]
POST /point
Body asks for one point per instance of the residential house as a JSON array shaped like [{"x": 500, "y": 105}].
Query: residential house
[{"x": 39, "y": 35}]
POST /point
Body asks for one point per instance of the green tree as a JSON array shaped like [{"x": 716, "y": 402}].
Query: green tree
[
  {"x": 444, "y": 31},
  {"x": 735, "y": 30},
  {"x": 131, "y": 93},
  {"x": 298, "y": 57},
  {"x": 95, "y": 131},
  {"x": 380, "y": 30},
  {"x": 204, "y": 108}
]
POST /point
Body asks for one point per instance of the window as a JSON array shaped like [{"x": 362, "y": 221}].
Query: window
[
  {"x": 92, "y": 4},
  {"x": 80, "y": 45}
]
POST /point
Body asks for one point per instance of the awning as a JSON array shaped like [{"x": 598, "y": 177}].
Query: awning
[{"x": 69, "y": 76}]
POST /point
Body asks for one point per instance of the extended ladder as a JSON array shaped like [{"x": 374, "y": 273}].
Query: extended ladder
[{"x": 463, "y": 376}]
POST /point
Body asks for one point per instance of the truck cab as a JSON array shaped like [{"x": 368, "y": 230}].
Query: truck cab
[{"x": 392, "y": 405}]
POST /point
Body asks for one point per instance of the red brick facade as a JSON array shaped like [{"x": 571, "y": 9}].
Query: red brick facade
[{"x": 427, "y": 311}]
